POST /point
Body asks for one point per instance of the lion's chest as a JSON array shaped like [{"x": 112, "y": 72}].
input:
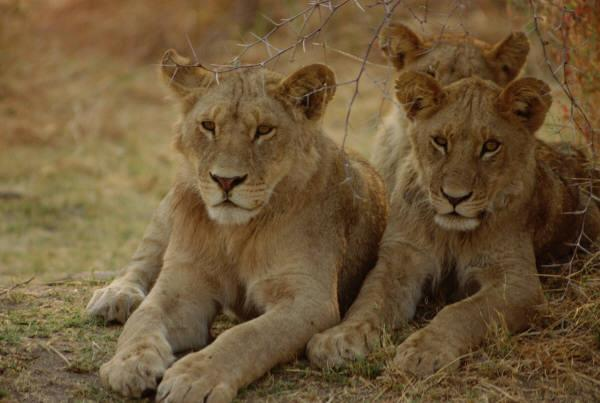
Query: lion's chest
[
  {"x": 258, "y": 271},
  {"x": 451, "y": 258}
]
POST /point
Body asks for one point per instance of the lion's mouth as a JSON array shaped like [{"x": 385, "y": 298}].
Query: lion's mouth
[
  {"x": 228, "y": 204},
  {"x": 457, "y": 215}
]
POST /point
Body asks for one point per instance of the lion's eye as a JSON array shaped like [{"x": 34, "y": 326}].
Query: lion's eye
[
  {"x": 208, "y": 125},
  {"x": 440, "y": 142},
  {"x": 490, "y": 146},
  {"x": 431, "y": 71},
  {"x": 263, "y": 130}
]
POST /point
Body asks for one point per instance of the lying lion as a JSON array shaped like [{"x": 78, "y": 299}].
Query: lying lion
[
  {"x": 268, "y": 218},
  {"x": 480, "y": 200},
  {"x": 448, "y": 58}
]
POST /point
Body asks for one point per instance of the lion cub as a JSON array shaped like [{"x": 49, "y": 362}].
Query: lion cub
[
  {"x": 479, "y": 202},
  {"x": 448, "y": 58},
  {"x": 268, "y": 218}
]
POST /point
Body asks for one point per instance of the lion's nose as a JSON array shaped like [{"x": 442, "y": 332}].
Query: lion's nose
[
  {"x": 227, "y": 184},
  {"x": 455, "y": 198}
]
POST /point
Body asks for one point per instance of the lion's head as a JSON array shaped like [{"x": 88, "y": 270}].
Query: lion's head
[
  {"x": 245, "y": 132},
  {"x": 449, "y": 58},
  {"x": 473, "y": 142}
]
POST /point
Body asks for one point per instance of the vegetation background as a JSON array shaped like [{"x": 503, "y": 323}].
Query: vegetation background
[{"x": 85, "y": 156}]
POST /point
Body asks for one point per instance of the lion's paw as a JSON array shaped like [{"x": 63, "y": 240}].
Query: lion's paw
[
  {"x": 341, "y": 344},
  {"x": 116, "y": 301},
  {"x": 423, "y": 354},
  {"x": 194, "y": 378},
  {"x": 133, "y": 373}
]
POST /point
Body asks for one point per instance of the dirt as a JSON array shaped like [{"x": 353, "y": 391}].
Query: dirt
[{"x": 51, "y": 352}]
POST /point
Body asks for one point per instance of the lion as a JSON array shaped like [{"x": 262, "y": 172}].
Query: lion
[
  {"x": 448, "y": 58},
  {"x": 267, "y": 218},
  {"x": 480, "y": 201}
]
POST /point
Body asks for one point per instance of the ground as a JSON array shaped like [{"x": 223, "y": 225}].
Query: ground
[
  {"x": 85, "y": 156},
  {"x": 50, "y": 352}
]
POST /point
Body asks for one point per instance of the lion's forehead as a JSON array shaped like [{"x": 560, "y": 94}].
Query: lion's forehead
[
  {"x": 454, "y": 60},
  {"x": 241, "y": 87},
  {"x": 453, "y": 38},
  {"x": 244, "y": 101},
  {"x": 449, "y": 50},
  {"x": 245, "y": 110},
  {"x": 470, "y": 113},
  {"x": 247, "y": 82},
  {"x": 473, "y": 99}
]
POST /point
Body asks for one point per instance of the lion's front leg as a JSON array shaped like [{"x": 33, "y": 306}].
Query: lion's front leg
[
  {"x": 175, "y": 316},
  {"x": 388, "y": 297},
  {"x": 120, "y": 298},
  {"x": 506, "y": 297},
  {"x": 247, "y": 351}
]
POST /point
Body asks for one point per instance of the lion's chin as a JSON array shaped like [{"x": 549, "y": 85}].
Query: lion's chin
[
  {"x": 455, "y": 222},
  {"x": 230, "y": 214}
]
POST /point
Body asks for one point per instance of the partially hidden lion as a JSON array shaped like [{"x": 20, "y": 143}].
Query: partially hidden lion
[
  {"x": 268, "y": 218},
  {"x": 447, "y": 57},
  {"x": 479, "y": 203}
]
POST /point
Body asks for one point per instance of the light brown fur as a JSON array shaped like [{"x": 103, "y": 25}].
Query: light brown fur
[
  {"x": 516, "y": 211},
  {"x": 448, "y": 58},
  {"x": 287, "y": 253}
]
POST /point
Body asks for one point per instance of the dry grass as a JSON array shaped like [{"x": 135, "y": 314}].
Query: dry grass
[
  {"x": 85, "y": 156},
  {"x": 51, "y": 352}
]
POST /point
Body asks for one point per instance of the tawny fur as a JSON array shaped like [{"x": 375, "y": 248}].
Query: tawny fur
[
  {"x": 448, "y": 58},
  {"x": 287, "y": 253},
  {"x": 518, "y": 207}
]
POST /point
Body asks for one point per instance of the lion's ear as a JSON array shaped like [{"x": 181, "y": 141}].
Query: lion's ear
[
  {"x": 399, "y": 44},
  {"x": 420, "y": 94},
  {"x": 309, "y": 89},
  {"x": 526, "y": 101},
  {"x": 185, "y": 80},
  {"x": 508, "y": 56}
]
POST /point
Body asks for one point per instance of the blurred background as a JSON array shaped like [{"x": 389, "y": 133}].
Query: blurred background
[{"x": 86, "y": 124}]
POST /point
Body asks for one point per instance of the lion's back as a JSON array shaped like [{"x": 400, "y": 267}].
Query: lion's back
[
  {"x": 563, "y": 204},
  {"x": 391, "y": 145}
]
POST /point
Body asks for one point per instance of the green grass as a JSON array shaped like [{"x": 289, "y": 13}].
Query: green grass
[
  {"x": 45, "y": 338},
  {"x": 79, "y": 213}
]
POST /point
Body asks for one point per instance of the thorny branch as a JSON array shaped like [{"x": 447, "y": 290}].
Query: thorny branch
[
  {"x": 389, "y": 10},
  {"x": 300, "y": 40},
  {"x": 574, "y": 108},
  {"x": 326, "y": 11},
  {"x": 564, "y": 83}
]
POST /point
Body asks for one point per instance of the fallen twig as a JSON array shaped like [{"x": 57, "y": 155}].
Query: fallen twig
[
  {"x": 49, "y": 348},
  {"x": 16, "y": 286}
]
